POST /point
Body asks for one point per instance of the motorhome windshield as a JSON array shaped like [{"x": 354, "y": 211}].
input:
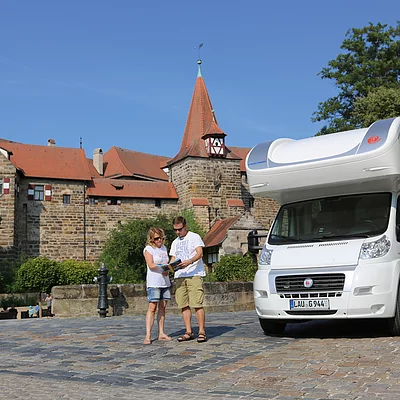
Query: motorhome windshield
[{"x": 332, "y": 218}]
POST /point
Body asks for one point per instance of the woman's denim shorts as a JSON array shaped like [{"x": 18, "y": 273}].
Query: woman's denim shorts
[{"x": 156, "y": 294}]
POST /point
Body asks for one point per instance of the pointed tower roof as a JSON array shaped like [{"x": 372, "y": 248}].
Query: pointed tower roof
[{"x": 201, "y": 122}]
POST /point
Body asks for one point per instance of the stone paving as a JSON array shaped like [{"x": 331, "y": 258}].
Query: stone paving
[{"x": 93, "y": 358}]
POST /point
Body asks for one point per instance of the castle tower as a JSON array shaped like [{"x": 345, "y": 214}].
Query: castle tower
[{"x": 205, "y": 172}]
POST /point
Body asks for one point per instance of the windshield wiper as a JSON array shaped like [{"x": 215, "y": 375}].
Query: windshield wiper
[
  {"x": 288, "y": 238},
  {"x": 345, "y": 237}
]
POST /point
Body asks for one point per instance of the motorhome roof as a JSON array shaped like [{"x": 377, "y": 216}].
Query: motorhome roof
[{"x": 287, "y": 169}]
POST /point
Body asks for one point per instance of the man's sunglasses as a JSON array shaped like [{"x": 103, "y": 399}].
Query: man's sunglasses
[{"x": 178, "y": 229}]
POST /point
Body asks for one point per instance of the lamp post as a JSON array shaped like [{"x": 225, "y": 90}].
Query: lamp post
[{"x": 103, "y": 280}]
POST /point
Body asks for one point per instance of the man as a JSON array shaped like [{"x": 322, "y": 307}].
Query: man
[{"x": 189, "y": 293}]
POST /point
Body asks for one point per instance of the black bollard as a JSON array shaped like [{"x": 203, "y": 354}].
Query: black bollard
[{"x": 103, "y": 280}]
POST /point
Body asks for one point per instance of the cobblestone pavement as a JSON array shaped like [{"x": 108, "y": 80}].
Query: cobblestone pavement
[{"x": 94, "y": 358}]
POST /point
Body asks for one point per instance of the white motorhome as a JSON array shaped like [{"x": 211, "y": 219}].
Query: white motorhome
[{"x": 333, "y": 250}]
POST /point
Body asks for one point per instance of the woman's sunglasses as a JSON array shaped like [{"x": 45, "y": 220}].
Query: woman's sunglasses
[{"x": 158, "y": 238}]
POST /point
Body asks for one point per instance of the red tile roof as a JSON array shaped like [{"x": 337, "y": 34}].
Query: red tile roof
[
  {"x": 201, "y": 120},
  {"x": 48, "y": 161},
  {"x": 235, "y": 203},
  {"x": 200, "y": 202},
  {"x": 131, "y": 188},
  {"x": 120, "y": 162},
  {"x": 92, "y": 169},
  {"x": 218, "y": 232},
  {"x": 242, "y": 153}
]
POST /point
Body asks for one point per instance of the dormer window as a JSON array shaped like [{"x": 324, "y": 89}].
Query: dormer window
[{"x": 215, "y": 146}]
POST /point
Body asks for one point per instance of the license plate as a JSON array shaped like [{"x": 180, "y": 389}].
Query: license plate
[{"x": 314, "y": 304}]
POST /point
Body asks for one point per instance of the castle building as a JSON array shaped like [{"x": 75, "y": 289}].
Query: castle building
[{"x": 55, "y": 202}]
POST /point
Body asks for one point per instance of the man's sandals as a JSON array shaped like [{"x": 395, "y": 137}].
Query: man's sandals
[
  {"x": 185, "y": 337},
  {"x": 201, "y": 337}
]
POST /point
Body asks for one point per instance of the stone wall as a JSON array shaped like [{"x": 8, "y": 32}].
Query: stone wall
[
  {"x": 81, "y": 300},
  {"x": 215, "y": 179},
  {"x": 7, "y": 208},
  {"x": 102, "y": 218},
  {"x": 56, "y": 230}
]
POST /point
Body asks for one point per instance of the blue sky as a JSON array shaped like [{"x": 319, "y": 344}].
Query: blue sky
[{"x": 122, "y": 72}]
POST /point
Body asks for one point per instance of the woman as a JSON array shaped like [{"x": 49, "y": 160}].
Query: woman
[{"x": 157, "y": 282}]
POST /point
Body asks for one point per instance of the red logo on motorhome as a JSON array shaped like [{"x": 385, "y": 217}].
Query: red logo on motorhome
[{"x": 373, "y": 139}]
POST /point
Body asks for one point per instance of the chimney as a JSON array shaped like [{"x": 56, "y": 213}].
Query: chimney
[
  {"x": 51, "y": 142},
  {"x": 98, "y": 160}
]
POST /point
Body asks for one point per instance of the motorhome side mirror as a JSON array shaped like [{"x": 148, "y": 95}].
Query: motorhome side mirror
[
  {"x": 253, "y": 242},
  {"x": 398, "y": 233}
]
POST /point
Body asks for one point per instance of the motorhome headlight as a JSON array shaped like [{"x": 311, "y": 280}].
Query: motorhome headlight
[
  {"x": 375, "y": 249},
  {"x": 265, "y": 258}
]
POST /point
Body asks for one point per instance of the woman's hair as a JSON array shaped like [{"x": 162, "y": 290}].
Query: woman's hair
[{"x": 152, "y": 233}]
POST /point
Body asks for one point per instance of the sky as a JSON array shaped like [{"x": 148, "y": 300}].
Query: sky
[{"x": 122, "y": 73}]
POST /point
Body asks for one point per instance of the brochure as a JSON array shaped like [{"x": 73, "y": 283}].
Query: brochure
[{"x": 174, "y": 266}]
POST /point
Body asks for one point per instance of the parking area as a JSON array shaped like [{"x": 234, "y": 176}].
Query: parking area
[{"x": 93, "y": 358}]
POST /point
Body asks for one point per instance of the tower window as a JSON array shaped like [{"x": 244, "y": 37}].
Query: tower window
[
  {"x": 39, "y": 192},
  {"x": 66, "y": 199},
  {"x": 157, "y": 203}
]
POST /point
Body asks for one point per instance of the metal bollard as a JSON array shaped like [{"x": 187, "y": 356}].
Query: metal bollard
[{"x": 103, "y": 280}]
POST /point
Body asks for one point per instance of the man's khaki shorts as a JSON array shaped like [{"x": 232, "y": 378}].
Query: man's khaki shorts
[{"x": 189, "y": 292}]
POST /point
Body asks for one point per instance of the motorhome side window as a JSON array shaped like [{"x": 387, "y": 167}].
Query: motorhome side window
[
  {"x": 398, "y": 220},
  {"x": 332, "y": 218}
]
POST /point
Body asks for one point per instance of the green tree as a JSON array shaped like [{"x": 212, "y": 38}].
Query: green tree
[
  {"x": 379, "y": 103},
  {"x": 371, "y": 60}
]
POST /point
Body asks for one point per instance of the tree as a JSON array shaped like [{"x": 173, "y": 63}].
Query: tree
[
  {"x": 378, "y": 104},
  {"x": 371, "y": 61}
]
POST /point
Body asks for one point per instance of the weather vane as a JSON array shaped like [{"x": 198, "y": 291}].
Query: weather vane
[{"x": 198, "y": 48}]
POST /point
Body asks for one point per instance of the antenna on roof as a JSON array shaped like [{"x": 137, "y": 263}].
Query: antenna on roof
[
  {"x": 199, "y": 60},
  {"x": 80, "y": 142}
]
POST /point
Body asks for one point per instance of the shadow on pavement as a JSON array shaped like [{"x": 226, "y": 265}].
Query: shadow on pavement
[
  {"x": 212, "y": 331},
  {"x": 328, "y": 329}
]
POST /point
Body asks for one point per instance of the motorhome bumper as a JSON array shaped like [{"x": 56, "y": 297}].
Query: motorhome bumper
[{"x": 359, "y": 299}]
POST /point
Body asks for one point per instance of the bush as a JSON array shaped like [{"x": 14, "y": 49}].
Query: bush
[
  {"x": 8, "y": 272},
  {"x": 74, "y": 272},
  {"x": 235, "y": 268},
  {"x": 12, "y": 300},
  {"x": 38, "y": 275}
]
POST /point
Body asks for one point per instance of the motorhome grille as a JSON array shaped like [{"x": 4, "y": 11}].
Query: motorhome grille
[
  {"x": 321, "y": 282},
  {"x": 309, "y": 295}
]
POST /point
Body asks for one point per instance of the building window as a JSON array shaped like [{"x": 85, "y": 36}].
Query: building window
[
  {"x": 251, "y": 202},
  {"x": 212, "y": 254},
  {"x": 66, "y": 199},
  {"x": 114, "y": 202},
  {"x": 93, "y": 201},
  {"x": 157, "y": 203},
  {"x": 1, "y": 186},
  {"x": 38, "y": 192}
]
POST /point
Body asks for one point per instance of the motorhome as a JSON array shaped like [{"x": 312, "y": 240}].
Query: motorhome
[{"x": 333, "y": 251}]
